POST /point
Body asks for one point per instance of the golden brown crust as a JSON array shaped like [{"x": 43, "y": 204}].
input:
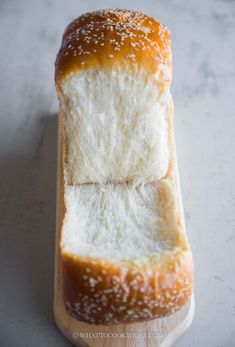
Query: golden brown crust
[
  {"x": 100, "y": 292},
  {"x": 115, "y": 38}
]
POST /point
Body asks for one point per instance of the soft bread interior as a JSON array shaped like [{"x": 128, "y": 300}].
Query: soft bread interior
[
  {"x": 121, "y": 222},
  {"x": 115, "y": 126}
]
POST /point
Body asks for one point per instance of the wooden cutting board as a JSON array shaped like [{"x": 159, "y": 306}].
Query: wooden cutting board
[{"x": 158, "y": 333}]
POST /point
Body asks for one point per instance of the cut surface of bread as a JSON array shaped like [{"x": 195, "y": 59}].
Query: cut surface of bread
[
  {"x": 116, "y": 127},
  {"x": 121, "y": 222},
  {"x": 124, "y": 252}
]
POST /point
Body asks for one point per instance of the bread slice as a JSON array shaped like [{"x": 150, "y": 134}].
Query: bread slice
[
  {"x": 120, "y": 222},
  {"x": 120, "y": 134},
  {"x": 124, "y": 252}
]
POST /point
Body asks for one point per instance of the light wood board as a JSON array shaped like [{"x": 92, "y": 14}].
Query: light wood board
[{"x": 158, "y": 333}]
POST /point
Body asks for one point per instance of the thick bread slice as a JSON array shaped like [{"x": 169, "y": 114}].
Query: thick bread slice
[
  {"x": 121, "y": 134},
  {"x": 166, "y": 171},
  {"x": 125, "y": 274}
]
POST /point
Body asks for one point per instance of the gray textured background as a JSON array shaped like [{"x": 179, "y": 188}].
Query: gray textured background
[{"x": 203, "y": 34}]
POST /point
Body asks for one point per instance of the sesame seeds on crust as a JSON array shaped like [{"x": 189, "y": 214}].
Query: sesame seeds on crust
[
  {"x": 108, "y": 38},
  {"x": 99, "y": 292}
]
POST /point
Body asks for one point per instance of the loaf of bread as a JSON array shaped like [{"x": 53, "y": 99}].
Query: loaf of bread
[{"x": 125, "y": 255}]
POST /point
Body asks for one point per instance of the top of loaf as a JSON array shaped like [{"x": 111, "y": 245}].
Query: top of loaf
[{"x": 115, "y": 39}]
